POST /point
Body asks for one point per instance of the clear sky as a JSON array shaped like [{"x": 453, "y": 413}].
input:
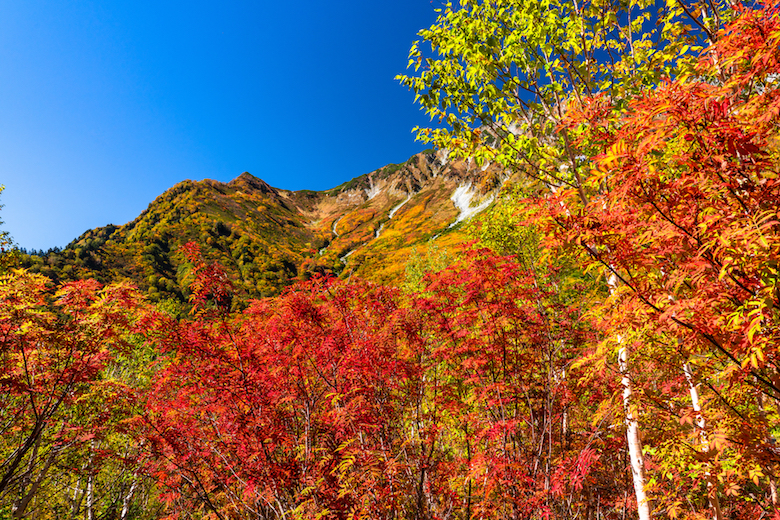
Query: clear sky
[{"x": 106, "y": 104}]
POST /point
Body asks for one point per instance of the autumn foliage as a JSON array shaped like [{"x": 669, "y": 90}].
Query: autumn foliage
[
  {"x": 644, "y": 296},
  {"x": 64, "y": 396},
  {"x": 346, "y": 401}
]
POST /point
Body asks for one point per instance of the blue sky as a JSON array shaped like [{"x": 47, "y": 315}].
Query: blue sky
[{"x": 105, "y": 105}]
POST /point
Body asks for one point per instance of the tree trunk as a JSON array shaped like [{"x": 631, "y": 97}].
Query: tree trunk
[
  {"x": 78, "y": 496},
  {"x": 632, "y": 421},
  {"x": 28, "y": 495},
  {"x": 91, "y": 482},
  {"x": 712, "y": 490},
  {"x": 90, "y": 497},
  {"x": 632, "y": 437},
  {"x": 127, "y": 499}
]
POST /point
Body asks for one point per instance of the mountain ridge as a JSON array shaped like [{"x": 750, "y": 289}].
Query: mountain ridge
[{"x": 268, "y": 237}]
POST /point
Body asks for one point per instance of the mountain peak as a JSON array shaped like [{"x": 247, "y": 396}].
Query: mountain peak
[{"x": 249, "y": 182}]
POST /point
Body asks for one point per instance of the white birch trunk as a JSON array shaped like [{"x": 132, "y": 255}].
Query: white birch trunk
[
  {"x": 712, "y": 491},
  {"x": 632, "y": 437},
  {"x": 78, "y": 496},
  {"x": 91, "y": 482},
  {"x": 565, "y": 416},
  {"x": 90, "y": 497},
  {"x": 126, "y": 501}
]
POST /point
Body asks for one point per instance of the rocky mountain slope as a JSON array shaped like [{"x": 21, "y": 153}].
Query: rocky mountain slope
[{"x": 267, "y": 237}]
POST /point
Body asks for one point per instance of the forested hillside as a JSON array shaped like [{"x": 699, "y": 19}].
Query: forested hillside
[
  {"x": 603, "y": 345},
  {"x": 268, "y": 238}
]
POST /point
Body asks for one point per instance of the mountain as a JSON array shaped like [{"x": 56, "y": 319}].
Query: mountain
[{"x": 267, "y": 237}]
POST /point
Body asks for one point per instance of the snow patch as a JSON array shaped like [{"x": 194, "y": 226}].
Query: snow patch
[
  {"x": 462, "y": 198},
  {"x": 344, "y": 258},
  {"x": 334, "y": 225},
  {"x": 392, "y": 214},
  {"x": 373, "y": 190},
  {"x": 395, "y": 209}
]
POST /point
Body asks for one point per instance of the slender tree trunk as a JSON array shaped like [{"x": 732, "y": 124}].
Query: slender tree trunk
[
  {"x": 91, "y": 483},
  {"x": 632, "y": 436},
  {"x": 90, "y": 497},
  {"x": 564, "y": 416},
  {"x": 26, "y": 480},
  {"x": 771, "y": 471},
  {"x": 630, "y": 408},
  {"x": 78, "y": 496},
  {"x": 126, "y": 501},
  {"x": 28, "y": 495},
  {"x": 712, "y": 490}
]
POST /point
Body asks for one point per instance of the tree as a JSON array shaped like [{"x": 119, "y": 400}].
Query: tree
[
  {"x": 688, "y": 220},
  {"x": 343, "y": 400},
  {"x": 503, "y": 75},
  {"x": 293, "y": 407},
  {"x": 500, "y": 73},
  {"x": 58, "y": 403},
  {"x": 509, "y": 442}
]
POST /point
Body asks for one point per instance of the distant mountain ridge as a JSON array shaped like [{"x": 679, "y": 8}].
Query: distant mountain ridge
[{"x": 268, "y": 237}]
